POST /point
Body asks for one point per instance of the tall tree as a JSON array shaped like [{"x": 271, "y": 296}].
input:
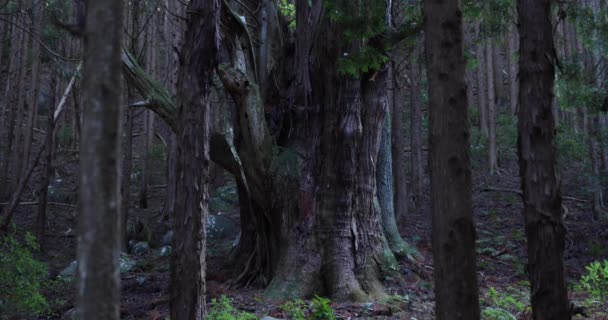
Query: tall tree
[
  {"x": 491, "y": 111},
  {"x": 199, "y": 60},
  {"x": 416, "y": 123},
  {"x": 99, "y": 243},
  {"x": 536, "y": 149},
  {"x": 311, "y": 220},
  {"x": 453, "y": 231}
]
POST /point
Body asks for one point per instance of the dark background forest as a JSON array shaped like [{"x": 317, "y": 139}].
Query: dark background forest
[{"x": 303, "y": 159}]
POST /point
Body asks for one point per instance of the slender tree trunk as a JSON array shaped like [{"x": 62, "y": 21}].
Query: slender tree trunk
[
  {"x": 47, "y": 171},
  {"x": 416, "y": 125},
  {"x": 384, "y": 178},
  {"x": 37, "y": 16},
  {"x": 398, "y": 148},
  {"x": 482, "y": 94},
  {"x": 492, "y": 149},
  {"x": 145, "y": 159},
  {"x": 453, "y": 233},
  {"x": 499, "y": 85},
  {"x": 99, "y": 239},
  {"x": 127, "y": 169},
  {"x": 513, "y": 76},
  {"x": 21, "y": 107},
  {"x": 188, "y": 263},
  {"x": 176, "y": 41},
  {"x": 536, "y": 149}
]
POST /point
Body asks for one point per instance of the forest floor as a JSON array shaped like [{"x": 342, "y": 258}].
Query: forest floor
[{"x": 504, "y": 290}]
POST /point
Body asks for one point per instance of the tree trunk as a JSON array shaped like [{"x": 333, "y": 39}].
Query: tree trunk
[
  {"x": 384, "y": 178},
  {"x": 453, "y": 234},
  {"x": 499, "y": 85},
  {"x": 416, "y": 125},
  {"x": 47, "y": 171},
  {"x": 482, "y": 94},
  {"x": 492, "y": 149},
  {"x": 398, "y": 148},
  {"x": 37, "y": 17},
  {"x": 21, "y": 107},
  {"x": 99, "y": 239},
  {"x": 188, "y": 262},
  {"x": 176, "y": 36},
  {"x": 513, "y": 76},
  {"x": 536, "y": 149},
  {"x": 145, "y": 157}
]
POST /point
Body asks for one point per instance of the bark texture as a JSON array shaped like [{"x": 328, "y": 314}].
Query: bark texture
[
  {"x": 188, "y": 262},
  {"x": 541, "y": 188},
  {"x": 453, "y": 237},
  {"x": 98, "y": 289},
  {"x": 416, "y": 124}
]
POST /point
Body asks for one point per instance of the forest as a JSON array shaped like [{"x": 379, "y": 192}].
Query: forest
[{"x": 303, "y": 159}]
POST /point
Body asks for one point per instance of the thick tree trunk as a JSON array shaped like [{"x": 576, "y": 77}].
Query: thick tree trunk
[
  {"x": 188, "y": 262},
  {"x": 541, "y": 188},
  {"x": 453, "y": 234},
  {"x": 99, "y": 239}
]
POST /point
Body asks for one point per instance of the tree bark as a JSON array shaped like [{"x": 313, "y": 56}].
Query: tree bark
[
  {"x": 37, "y": 17},
  {"x": 398, "y": 147},
  {"x": 482, "y": 94},
  {"x": 492, "y": 149},
  {"x": 513, "y": 76},
  {"x": 99, "y": 239},
  {"x": 384, "y": 178},
  {"x": 536, "y": 149},
  {"x": 199, "y": 59},
  {"x": 416, "y": 125},
  {"x": 453, "y": 230}
]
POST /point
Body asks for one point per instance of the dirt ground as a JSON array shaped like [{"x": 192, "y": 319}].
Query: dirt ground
[{"x": 501, "y": 258}]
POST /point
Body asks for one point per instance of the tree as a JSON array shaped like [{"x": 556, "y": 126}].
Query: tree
[
  {"x": 541, "y": 188},
  {"x": 453, "y": 231},
  {"x": 99, "y": 244},
  {"x": 307, "y": 191},
  {"x": 199, "y": 60}
]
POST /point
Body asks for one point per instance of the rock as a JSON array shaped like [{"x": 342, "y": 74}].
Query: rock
[
  {"x": 141, "y": 248},
  {"x": 132, "y": 244},
  {"x": 221, "y": 227},
  {"x": 127, "y": 264},
  {"x": 168, "y": 238},
  {"x": 70, "y": 270},
  {"x": 165, "y": 251},
  {"x": 270, "y": 318}
]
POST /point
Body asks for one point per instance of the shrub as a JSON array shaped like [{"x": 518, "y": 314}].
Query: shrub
[
  {"x": 504, "y": 305},
  {"x": 321, "y": 310},
  {"x": 595, "y": 282},
  {"x": 21, "y": 278},
  {"x": 223, "y": 309},
  {"x": 295, "y": 309}
]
